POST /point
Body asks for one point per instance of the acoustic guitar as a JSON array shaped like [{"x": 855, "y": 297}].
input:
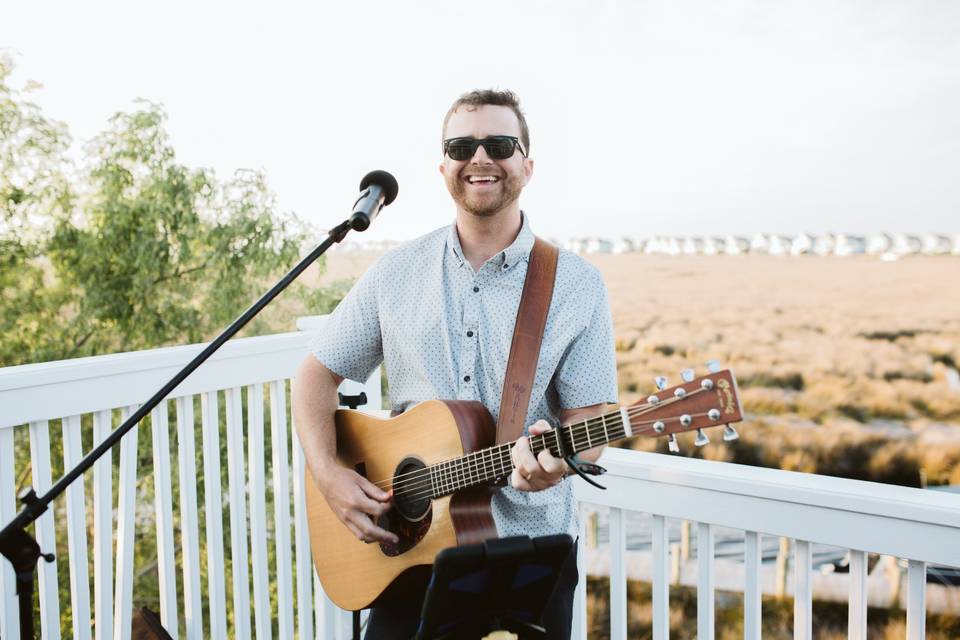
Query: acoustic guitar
[{"x": 440, "y": 460}]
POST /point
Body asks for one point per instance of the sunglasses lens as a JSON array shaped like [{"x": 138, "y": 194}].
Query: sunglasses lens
[
  {"x": 461, "y": 149},
  {"x": 499, "y": 148}
]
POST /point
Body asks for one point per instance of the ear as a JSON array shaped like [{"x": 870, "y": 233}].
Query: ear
[
  {"x": 443, "y": 169},
  {"x": 527, "y": 170}
]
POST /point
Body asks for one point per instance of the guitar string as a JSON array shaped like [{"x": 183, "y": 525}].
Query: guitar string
[
  {"x": 388, "y": 481},
  {"x": 455, "y": 477},
  {"x": 616, "y": 420},
  {"x": 425, "y": 489},
  {"x": 455, "y": 474}
]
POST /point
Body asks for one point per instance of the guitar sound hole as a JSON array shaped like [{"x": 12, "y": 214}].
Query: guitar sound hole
[
  {"x": 412, "y": 512},
  {"x": 412, "y": 489}
]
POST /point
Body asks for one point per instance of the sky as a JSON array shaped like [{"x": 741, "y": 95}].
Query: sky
[{"x": 646, "y": 117}]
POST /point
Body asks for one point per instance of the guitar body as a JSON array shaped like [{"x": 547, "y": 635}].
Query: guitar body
[{"x": 356, "y": 575}]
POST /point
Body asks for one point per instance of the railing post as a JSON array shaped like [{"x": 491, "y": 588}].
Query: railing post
[
  {"x": 618, "y": 576},
  {"x": 802, "y": 592},
  {"x": 705, "y": 604},
  {"x": 661, "y": 583},
  {"x": 752, "y": 597},
  {"x": 857, "y": 607},
  {"x": 916, "y": 600}
]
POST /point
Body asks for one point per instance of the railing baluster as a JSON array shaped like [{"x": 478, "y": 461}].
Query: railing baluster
[
  {"x": 103, "y": 530},
  {"x": 916, "y": 600},
  {"x": 751, "y": 589},
  {"x": 189, "y": 527},
  {"x": 77, "y": 531},
  {"x": 238, "y": 514},
  {"x": 661, "y": 579},
  {"x": 126, "y": 522},
  {"x": 9, "y": 613},
  {"x": 705, "y": 606},
  {"x": 163, "y": 505},
  {"x": 46, "y": 537},
  {"x": 618, "y": 576},
  {"x": 579, "y": 627},
  {"x": 802, "y": 592},
  {"x": 302, "y": 542},
  {"x": 258, "y": 511},
  {"x": 281, "y": 507},
  {"x": 216, "y": 566},
  {"x": 857, "y": 607}
]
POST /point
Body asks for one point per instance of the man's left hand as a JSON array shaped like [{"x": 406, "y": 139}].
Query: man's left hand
[{"x": 535, "y": 473}]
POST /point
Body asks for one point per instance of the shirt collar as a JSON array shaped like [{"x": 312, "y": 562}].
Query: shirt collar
[{"x": 518, "y": 250}]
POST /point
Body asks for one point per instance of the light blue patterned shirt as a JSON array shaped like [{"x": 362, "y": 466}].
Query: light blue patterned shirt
[{"x": 443, "y": 331}]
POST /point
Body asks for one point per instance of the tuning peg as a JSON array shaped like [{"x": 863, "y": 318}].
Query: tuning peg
[
  {"x": 729, "y": 433},
  {"x": 688, "y": 375},
  {"x": 661, "y": 382},
  {"x": 658, "y": 426},
  {"x": 672, "y": 443},
  {"x": 713, "y": 366},
  {"x": 701, "y": 438},
  {"x": 714, "y": 414}
]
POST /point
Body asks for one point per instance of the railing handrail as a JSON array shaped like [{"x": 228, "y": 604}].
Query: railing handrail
[
  {"x": 49, "y": 390},
  {"x": 912, "y": 523}
]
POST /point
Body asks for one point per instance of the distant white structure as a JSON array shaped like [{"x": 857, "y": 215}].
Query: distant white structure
[
  {"x": 936, "y": 245},
  {"x": 849, "y": 245},
  {"x": 905, "y": 245},
  {"x": 759, "y": 243},
  {"x": 779, "y": 245},
  {"x": 802, "y": 245},
  {"x": 824, "y": 245},
  {"x": 885, "y": 245},
  {"x": 736, "y": 246},
  {"x": 878, "y": 243}
]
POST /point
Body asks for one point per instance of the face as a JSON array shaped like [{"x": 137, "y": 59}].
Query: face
[{"x": 469, "y": 181}]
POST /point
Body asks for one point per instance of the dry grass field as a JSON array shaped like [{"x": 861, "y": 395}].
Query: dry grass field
[{"x": 847, "y": 366}]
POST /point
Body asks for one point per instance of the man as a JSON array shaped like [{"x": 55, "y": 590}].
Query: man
[{"x": 439, "y": 313}]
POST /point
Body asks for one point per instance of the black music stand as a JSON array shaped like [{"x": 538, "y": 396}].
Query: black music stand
[{"x": 501, "y": 584}]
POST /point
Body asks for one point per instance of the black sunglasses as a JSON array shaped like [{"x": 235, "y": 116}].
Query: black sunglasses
[{"x": 497, "y": 147}]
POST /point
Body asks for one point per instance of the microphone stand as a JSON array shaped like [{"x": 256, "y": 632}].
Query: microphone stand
[{"x": 20, "y": 548}]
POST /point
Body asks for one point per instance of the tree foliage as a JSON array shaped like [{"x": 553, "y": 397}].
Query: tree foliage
[{"x": 128, "y": 249}]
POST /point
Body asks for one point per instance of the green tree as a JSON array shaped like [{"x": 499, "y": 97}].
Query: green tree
[{"x": 136, "y": 250}]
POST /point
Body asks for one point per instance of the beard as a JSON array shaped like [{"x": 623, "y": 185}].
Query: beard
[{"x": 485, "y": 204}]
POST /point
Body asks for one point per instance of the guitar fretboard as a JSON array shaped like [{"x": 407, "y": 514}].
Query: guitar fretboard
[{"x": 493, "y": 463}]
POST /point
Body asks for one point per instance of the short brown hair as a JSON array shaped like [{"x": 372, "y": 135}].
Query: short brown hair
[{"x": 494, "y": 98}]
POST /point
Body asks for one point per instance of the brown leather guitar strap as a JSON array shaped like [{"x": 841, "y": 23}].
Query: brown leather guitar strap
[{"x": 527, "y": 336}]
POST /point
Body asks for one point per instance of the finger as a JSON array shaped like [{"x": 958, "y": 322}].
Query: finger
[
  {"x": 371, "y": 532},
  {"x": 372, "y": 507},
  {"x": 524, "y": 461},
  {"x": 552, "y": 466},
  {"x": 519, "y": 482},
  {"x": 540, "y": 427},
  {"x": 373, "y": 490}
]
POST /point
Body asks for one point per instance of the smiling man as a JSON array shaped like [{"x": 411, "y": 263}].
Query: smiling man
[{"x": 439, "y": 313}]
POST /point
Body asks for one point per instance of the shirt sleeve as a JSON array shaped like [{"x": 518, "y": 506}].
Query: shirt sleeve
[
  {"x": 587, "y": 373},
  {"x": 349, "y": 342}
]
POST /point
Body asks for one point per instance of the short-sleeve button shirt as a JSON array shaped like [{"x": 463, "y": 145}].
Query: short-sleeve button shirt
[{"x": 443, "y": 331}]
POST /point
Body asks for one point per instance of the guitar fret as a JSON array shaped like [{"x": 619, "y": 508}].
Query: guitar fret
[
  {"x": 603, "y": 421},
  {"x": 586, "y": 427}
]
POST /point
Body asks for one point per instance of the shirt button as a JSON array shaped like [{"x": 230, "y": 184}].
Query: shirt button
[
  {"x": 476, "y": 289},
  {"x": 466, "y": 378},
  {"x": 469, "y": 334},
  {"x": 506, "y": 266}
]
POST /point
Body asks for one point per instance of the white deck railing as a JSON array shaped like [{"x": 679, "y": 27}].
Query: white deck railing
[{"x": 247, "y": 462}]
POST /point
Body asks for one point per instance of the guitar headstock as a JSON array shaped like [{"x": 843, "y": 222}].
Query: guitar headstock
[{"x": 695, "y": 404}]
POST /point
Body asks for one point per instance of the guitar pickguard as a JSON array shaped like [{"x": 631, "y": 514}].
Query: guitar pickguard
[{"x": 409, "y": 532}]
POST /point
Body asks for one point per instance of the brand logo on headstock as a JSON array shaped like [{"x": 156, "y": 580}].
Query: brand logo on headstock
[{"x": 725, "y": 396}]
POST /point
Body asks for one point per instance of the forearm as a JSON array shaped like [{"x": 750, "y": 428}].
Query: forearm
[{"x": 314, "y": 405}]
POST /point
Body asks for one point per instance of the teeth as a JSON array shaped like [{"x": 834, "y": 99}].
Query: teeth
[{"x": 475, "y": 179}]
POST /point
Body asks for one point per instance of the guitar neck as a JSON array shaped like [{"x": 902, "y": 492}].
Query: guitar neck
[
  {"x": 706, "y": 402},
  {"x": 492, "y": 463}
]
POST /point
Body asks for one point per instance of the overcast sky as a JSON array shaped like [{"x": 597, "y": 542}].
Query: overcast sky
[{"x": 672, "y": 117}]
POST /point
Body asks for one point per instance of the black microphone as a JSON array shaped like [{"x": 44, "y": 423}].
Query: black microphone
[{"x": 377, "y": 190}]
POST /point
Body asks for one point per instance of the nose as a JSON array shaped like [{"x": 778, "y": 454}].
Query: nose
[{"x": 480, "y": 156}]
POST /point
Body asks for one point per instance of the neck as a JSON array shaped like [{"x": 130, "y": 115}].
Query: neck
[{"x": 482, "y": 237}]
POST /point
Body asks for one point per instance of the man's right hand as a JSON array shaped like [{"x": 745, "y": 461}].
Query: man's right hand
[{"x": 357, "y": 502}]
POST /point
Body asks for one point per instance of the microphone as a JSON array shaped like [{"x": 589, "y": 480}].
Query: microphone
[{"x": 377, "y": 190}]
